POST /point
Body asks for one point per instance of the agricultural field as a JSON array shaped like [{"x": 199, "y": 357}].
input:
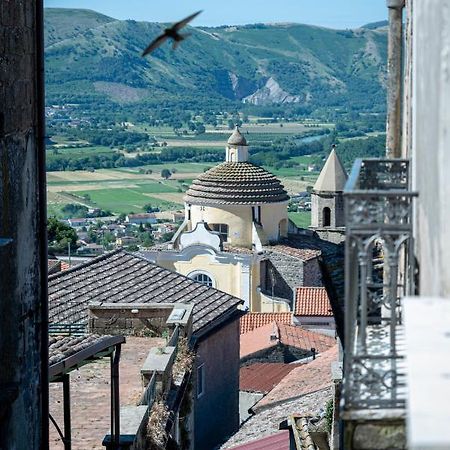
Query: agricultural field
[
  {"x": 127, "y": 190},
  {"x": 132, "y": 189}
]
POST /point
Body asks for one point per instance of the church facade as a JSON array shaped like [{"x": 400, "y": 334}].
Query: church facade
[{"x": 236, "y": 235}]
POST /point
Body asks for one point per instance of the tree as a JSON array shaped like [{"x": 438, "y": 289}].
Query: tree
[
  {"x": 60, "y": 236},
  {"x": 166, "y": 174}
]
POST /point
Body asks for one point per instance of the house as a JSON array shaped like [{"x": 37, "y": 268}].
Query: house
[
  {"x": 123, "y": 241},
  {"x": 305, "y": 390},
  {"x": 282, "y": 343},
  {"x": 78, "y": 223},
  {"x": 91, "y": 249},
  {"x": 120, "y": 278},
  {"x": 313, "y": 308},
  {"x": 141, "y": 219}
]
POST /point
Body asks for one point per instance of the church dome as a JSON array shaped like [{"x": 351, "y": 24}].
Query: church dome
[
  {"x": 236, "y": 183},
  {"x": 237, "y": 138}
]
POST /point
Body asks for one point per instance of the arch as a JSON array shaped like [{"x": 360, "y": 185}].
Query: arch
[
  {"x": 326, "y": 216},
  {"x": 202, "y": 277},
  {"x": 282, "y": 228}
]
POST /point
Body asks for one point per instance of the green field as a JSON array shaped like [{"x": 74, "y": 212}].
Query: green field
[
  {"x": 125, "y": 200},
  {"x": 301, "y": 219}
]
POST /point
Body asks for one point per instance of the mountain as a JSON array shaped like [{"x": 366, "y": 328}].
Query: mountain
[{"x": 91, "y": 57}]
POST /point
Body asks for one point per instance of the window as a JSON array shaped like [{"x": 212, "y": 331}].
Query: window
[
  {"x": 256, "y": 214},
  {"x": 326, "y": 217},
  {"x": 200, "y": 380},
  {"x": 202, "y": 278},
  {"x": 221, "y": 228}
]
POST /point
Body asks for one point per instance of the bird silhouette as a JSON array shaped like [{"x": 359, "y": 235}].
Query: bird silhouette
[{"x": 171, "y": 33}]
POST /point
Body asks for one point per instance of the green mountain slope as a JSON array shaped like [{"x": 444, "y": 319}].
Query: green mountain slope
[{"x": 91, "y": 57}]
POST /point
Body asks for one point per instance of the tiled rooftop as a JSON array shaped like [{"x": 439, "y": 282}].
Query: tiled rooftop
[
  {"x": 305, "y": 379},
  {"x": 120, "y": 277},
  {"x": 312, "y": 301},
  {"x": 253, "y": 320},
  {"x": 262, "y": 377},
  {"x": 290, "y": 335},
  {"x": 266, "y": 422},
  {"x": 304, "y": 254},
  {"x": 61, "y": 347}
]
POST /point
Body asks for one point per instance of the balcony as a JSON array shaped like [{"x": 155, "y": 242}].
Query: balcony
[{"x": 379, "y": 272}]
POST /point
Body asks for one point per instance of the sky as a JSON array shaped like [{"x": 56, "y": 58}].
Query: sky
[{"x": 326, "y": 13}]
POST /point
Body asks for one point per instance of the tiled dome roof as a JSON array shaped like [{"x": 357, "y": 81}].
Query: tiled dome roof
[{"x": 236, "y": 183}]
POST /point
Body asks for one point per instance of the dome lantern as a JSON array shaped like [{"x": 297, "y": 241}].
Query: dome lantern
[{"x": 237, "y": 147}]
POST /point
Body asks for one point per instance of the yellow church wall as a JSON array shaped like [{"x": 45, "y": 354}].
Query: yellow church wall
[
  {"x": 271, "y": 216},
  {"x": 255, "y": 301},
  {"x": 239, "y": 220},
  {"x": 227, "y": 277},
  {"x": 268, "y": 306},
  {"x": 237, "y": 217}
]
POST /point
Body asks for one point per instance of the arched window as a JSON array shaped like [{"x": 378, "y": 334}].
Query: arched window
[
  {"x": 202, "y": 277},
  {"x": 326, "y": 216}
]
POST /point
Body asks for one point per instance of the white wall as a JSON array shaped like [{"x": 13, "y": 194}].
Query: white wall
[{"x": 431, "y": 142}]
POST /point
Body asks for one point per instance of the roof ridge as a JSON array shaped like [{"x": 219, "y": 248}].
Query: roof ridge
[{"x": 86, "y": 263}]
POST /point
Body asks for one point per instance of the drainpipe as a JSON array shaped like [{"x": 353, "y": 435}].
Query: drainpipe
[{"x": 394, "y": 78}]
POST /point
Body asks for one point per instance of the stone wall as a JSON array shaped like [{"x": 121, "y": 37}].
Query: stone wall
[
  {"x": 383, "y": 434},
  {"x": 288, "y": 272},
  {"x": 335, "y": 202},
  {"x": 23, "y": 422}
]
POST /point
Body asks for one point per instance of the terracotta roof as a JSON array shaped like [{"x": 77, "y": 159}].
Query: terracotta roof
[
  {"x": 278, "y": 441},
  {"x": 120, "y": 277},
  {"x": 237, "y": 138},
  {"x": 262, "y": 377},
  {"x": 241, "y": 183},
  {"x": 295, "y": 336},
  {"x": 253, "y": 320},
  {"x": 332, "y": 178},
  {"x": 273, "y": 333},
  {"x": 303, "y": 380},
  {"x": 54, "y": 266},
  {"x": 259, "y": 339},
  {"x": 312, "y": 301}
]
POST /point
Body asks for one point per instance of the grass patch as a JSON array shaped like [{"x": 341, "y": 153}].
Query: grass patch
[{"x": 302, "y": 219}]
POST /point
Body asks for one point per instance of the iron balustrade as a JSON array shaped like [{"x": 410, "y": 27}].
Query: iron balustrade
[{"x": 379, "y": 271}]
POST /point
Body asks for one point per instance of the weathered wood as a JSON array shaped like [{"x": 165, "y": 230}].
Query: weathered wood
[{"x": 21, "y": 319}]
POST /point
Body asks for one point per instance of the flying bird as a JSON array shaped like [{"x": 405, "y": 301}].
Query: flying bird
[{"x": 172, "y": 33}]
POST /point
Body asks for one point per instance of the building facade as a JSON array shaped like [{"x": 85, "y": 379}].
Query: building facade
[{"x": 236, "y": 235}]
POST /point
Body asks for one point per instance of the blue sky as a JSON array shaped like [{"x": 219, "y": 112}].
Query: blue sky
[{"x": 327, "y": 13}]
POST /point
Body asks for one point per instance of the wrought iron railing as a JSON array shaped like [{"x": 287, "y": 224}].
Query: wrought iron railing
[
  {"x": 379, "y": 272},
  {"x": 67, "y": 329}
]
